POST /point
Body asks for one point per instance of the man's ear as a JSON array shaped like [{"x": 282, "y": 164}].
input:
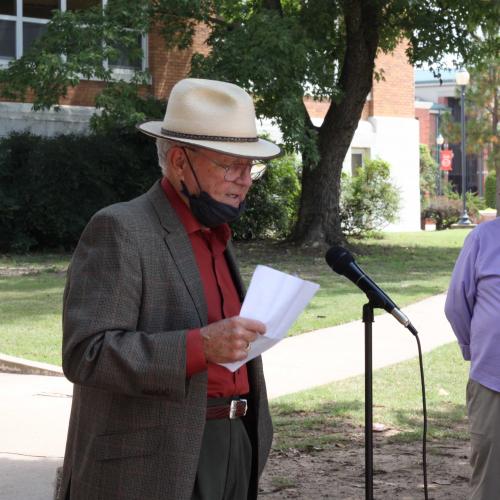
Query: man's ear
[{"x": 176, "y": 158}]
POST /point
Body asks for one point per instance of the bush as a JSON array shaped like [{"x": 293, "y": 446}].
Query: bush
[
  {"x": 50, "y": 187},
  {"x": 490, "y": 190},
  {"x": 368, "y": 201},
  {"x": 272, "y": 203},
  {"x": 443, "y": 210},
  {"x": 473, "y": 201}
]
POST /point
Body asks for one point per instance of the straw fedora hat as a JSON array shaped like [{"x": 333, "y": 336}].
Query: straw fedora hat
[{"x": 214, "y": 115}]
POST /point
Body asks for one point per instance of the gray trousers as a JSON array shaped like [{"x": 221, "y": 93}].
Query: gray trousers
[
  {"x": 483, "y": 408},
  {"x": 225, "y": 463}
]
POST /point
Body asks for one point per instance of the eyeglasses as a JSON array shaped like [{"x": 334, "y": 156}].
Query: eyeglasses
[{"x": 238, "y": 169}]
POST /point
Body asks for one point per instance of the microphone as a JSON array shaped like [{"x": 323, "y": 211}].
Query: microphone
[{"x": 342, "y": 262}]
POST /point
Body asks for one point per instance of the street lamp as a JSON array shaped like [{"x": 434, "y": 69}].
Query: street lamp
[
  {"x": 439, "y": 143},
  {"x": 462, "y": 79}
]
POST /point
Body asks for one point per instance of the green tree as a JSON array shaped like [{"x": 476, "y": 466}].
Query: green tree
[{"x": 280, "y": 51}]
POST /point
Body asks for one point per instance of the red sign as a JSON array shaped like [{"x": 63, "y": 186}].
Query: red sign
[{"x": 446, "y": 158}]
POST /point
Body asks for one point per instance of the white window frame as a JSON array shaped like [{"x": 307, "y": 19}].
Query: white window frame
[
  {"x": 118, "y": 73},
  {"x": 365, "y": 154}
]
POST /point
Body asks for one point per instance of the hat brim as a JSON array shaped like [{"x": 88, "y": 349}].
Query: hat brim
[{"x": 260, "y": 150}]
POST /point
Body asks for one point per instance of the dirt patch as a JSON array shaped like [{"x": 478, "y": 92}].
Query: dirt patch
[{"x": 337, "y": 471}]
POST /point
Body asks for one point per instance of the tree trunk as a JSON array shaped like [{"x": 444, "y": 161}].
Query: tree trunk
[{"x": 319, "y": 217}]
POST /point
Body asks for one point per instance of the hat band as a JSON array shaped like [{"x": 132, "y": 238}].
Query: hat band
[{"x": 200, "y": 137}]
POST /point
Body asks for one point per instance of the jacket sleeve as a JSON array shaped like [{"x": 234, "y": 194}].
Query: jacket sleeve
[
  {"x": 102, "y": 347},
  {"x": 461, "y": 295}
]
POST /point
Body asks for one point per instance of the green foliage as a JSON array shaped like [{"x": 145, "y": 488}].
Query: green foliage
[
  {"x": 473, "y": 201},
  {"x": 50, "y": 187},
  {"x": 369, "y": 200},
  {"x": 272, "y": 203},
  {"x": 490, "y": 190},
  {"x": 428, "y": 171},
  {"x": 474, "y": 204},
  {"x": 445, "y": 211},
  {"x": 122, "y": 108}
]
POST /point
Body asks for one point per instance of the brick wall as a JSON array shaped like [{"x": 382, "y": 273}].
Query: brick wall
[
  {"x": 167, "y": 67},
  {"x": 83, "y": 94},
  {"x": 394, "y": 95},
  {"x": 426, "y": 126}
]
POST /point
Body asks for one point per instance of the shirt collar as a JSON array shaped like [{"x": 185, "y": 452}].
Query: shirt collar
[
  {"x": 188, "y": 220},
  {"x": 222, "y": 233}
]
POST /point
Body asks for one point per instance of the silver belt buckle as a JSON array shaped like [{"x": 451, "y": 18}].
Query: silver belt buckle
[{"x": 234, "y": 406}]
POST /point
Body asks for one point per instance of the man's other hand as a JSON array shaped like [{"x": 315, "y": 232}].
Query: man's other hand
[{"x": 228, "y": 340}]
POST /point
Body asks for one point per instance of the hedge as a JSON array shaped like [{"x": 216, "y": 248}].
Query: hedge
[{"x": 50, "y": 187}]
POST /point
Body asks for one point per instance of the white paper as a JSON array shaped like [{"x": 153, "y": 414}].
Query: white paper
[{"x": 276, "y": 299}]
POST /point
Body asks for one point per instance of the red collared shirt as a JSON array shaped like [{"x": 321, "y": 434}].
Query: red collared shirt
[{"x": 220, "y": 294}]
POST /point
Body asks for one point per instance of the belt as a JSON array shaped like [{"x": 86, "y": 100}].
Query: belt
[{"x": 235, "y": 409}]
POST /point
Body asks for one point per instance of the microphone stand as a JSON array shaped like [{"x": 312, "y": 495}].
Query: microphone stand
[{"x": 368, "y": 321}]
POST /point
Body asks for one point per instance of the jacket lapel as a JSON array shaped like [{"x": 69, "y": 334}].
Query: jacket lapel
[{"x": 180, "y": 249}]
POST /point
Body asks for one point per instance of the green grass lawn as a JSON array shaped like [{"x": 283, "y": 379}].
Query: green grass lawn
[
  {"x": 409, "y": 266},
  {"x": 326, "y": 411}
]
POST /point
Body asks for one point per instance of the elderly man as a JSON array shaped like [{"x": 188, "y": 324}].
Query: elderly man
[
  {"x": 151, "y": 309},
  {"x": 473, "y": 309}
]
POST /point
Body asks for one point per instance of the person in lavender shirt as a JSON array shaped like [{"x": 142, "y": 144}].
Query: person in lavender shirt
[{"x": 473, "y": 310}]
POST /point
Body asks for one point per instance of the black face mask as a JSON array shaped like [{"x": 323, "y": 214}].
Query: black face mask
[
  {"x": 207, "y": 210},
  {"x": 210, "y": 212}
]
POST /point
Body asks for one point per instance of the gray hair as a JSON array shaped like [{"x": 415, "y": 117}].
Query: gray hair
[{"x": 162, "y": 147}]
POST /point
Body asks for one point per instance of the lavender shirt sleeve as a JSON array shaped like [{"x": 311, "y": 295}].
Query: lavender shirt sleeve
[{"x": 462, "y": 292}]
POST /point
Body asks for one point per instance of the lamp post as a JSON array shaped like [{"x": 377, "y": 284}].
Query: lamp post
[
  {"x": 462, "y": 79},
  {"x": 439, "y": 144}
]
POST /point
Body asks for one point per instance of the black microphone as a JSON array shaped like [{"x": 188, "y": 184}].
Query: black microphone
[{"x": 342, "y": 262}]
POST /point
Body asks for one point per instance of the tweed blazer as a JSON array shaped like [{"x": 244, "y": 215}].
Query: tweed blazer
[{"x": 133, "y": 290}]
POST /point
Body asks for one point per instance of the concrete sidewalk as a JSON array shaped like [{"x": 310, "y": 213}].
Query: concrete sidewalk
[
  {"x": 336, "y": 353},
  {"x": 35, "y": 408}
]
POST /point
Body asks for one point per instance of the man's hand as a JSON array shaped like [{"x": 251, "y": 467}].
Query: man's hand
[{"x": 228, "y": 340}]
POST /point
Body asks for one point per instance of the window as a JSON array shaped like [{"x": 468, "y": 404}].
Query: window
[
  {"x": 7, "y": 39},
  {"x": 358, "y": 158},
  {"x": 23, "y": 21},
  {"x": 40, "y": 9},
  {"x": 356, "y": 162}
]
